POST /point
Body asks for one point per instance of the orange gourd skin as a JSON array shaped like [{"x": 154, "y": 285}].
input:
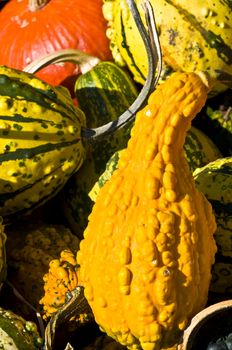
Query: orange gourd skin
[
  {"x": 60, "y": 279},
  {"x": 147, "y": 251},
  {"x": 27, "y": 35}
]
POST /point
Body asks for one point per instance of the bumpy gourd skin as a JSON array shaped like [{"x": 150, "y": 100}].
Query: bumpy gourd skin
[
  {"x": 60, "y": 279},
  {"x": 147, "y": 251}
]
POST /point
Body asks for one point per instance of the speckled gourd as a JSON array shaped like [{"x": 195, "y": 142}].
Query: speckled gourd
[
  {"x": 60, "y": 279},
  {"x": 146, "y": 257},
  {"x": 194, "y": 36},
  {"x": 40, "y": 141}
]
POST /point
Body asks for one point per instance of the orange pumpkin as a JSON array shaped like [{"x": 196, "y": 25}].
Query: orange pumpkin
[{"x": 33, "y": 28}]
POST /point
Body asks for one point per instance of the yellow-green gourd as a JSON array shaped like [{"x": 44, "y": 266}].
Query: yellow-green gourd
[
  {"x": 146, "y": 257},
  {"x": 194, "y": 36}
]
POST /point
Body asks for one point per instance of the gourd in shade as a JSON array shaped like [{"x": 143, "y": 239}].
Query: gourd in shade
[
  {"x": 215, "y": 181},
  {"x": 16, "y": 333},
  {"x": 146, "y": 257},
  {"x": 30, "y": 249}
]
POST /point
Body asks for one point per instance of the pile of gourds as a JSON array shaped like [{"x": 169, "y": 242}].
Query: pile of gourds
[{"x": 116, "y": 171}]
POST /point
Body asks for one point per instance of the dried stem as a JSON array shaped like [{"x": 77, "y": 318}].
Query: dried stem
[{"x": 35, "y": 5}]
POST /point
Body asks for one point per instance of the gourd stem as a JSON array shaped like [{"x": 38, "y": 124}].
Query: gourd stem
[
  {"x": 35, "y": 5},
  {"x": 77, "y": 303},
  {"x": 85, "y": 61},
  {"x": 152, "y": 45}
]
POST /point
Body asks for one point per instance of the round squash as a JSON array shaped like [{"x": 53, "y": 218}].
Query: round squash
[{"x": 40, "y": 141}]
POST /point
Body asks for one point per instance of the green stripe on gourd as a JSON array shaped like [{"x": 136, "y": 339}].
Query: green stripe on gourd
[
  {"x": 103, "y": 93},
  {"x": 101, "y": 90},
  {"x": 40, "y": 140},
  {"x": 18, "y": 334},
  {"x": 194, "y": 36},
  {"x": 199, "y": 150},
  {"x": 215, "y": 181}
]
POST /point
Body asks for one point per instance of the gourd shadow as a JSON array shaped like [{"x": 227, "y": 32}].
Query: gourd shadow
[{"x": 219, "y": 127}]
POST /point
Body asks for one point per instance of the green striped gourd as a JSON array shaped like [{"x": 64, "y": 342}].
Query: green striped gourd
[
  {"x": 103, "y": 93},
  {"x": 199, "y": 151},
  {"x": 40, "y": 140},
  {"x": 18, "y": 334},
  {"x": 215, "y": 181},
  {"x": 194, "y": 36}
]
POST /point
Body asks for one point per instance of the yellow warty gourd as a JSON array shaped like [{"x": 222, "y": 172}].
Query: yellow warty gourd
[
  {"x": 60, "y": 279},
  {"x": 147, "y": 251}
]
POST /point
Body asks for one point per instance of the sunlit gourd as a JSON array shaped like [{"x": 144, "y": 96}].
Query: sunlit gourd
[{"x": 146, "y": 257}]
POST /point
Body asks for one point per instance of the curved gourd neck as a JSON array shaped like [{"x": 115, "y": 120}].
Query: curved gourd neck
[{"x": 35, "y": 5}]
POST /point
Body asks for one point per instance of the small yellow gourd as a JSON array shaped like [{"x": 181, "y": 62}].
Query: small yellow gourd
[
  {"x": 58, "y": 281},
  {"x": 147, "y": 251}
]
